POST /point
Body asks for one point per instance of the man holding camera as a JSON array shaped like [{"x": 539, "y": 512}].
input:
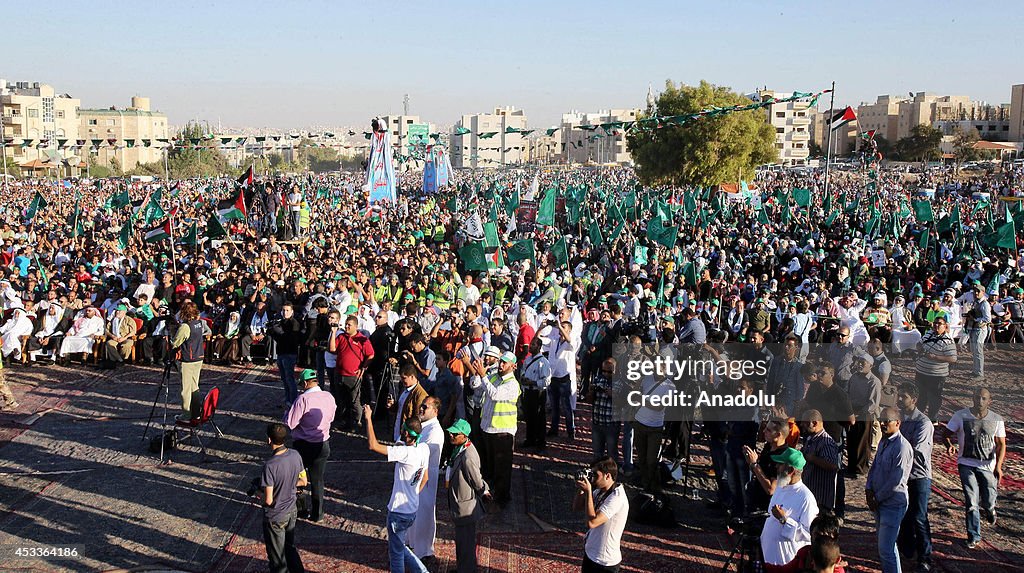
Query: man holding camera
[
  {"x": 189, "y": 339},
  {"x": 605, "y": 504},
  {"x": 287, "y": 335},
  {"x": 282, "y": 474}
]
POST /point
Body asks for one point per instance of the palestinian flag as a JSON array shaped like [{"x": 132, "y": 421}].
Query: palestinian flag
[
  {"x": 233, "y": 208},
  {"x": 159, "y": 233},
  {"x": 867, "y": 135},
  {"x": 245, "y": 179},
  {"x": 842, "y": 118},
  {"x": 138, "y": 205}
]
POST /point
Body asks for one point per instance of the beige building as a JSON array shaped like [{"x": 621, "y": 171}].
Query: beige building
[
  {"x": 409, "y": 137},
  {"x": 130, "y": 135},
  {"x": 40, "y": 126},
  {"x": 1016, "y": 118},
  {"x": 502, "y": 148},
  {"x": 544, "y": 149},
  {"x": 881, "y": 116},
  {"x": 596, "y": 145},
  {"x": 792, "y": 123},
  {"x": 844, "y": 139}
]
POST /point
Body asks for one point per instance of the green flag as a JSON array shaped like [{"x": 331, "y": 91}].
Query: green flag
[
  {"x": 923, "y": 242},
  {"x": 473, "y": 257},
  {"x": 120, "y": 200},
  {"x": 74, "y": 221},
  {"x": 124, "y": 237},
  {"x": 1006, "y": 237},
  {"x": 42, "y": 273},
  {"x": 561, "y": 253},
  {"x": 491, "y": 235},
  {"x": 191, "y": 237},
  {"x": 659, "y": 233},
  {"x": 923, "y": 211},
  {"x": 616, "y": 231},
  {"x": 546, "y": 209},
  {"x": 762, "y": 216},
  {"x": 802, "y": 197},
  {"x": 690, "y": 274},
  {"x": 214, "y": 228},
  {"x": 513, "y": 203},
  {"x": 640, "y": 254},
  {"x": 831, "y": 218},
  {"x": 38, "y": 203},
  {"x": 595, "y": 234},
  {"x": 520, "y": 251}
]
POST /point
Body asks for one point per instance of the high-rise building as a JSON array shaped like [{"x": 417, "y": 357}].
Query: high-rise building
[
  {"x": 792, "y": 123},
  {"x": 40, "y": 127},
  {"x": 596, "y": 145},
  {"x": 489, "y": 141},
  {"x": 1016, "y": 118},
  {"x": 129, "y": 135}
]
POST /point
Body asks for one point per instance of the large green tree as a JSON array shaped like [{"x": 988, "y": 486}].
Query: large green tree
[
  {"x": 963, "y": 145},
  {"x": 705, "y": 151},
  {"x": 921, "y": 145},
  {"x": 207, "y": 161}
]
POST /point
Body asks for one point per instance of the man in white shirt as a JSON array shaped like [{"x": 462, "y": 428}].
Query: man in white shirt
[
  {"x": 562, "y": 358},
  {"x": 793, "y": 508},
  {"x": 606, "y": 507},
  {"x": 411, "y": 475},
  {"x": 536, "y": 378},
  {"x": 981, "y": 449},
  {"x": 424, "y": 529}
]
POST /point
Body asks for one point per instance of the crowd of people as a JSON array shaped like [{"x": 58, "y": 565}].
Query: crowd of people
[{"x": 374, "y": 306}]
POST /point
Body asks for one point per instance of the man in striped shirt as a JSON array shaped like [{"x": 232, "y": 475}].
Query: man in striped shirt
[
  {"x": 822, "y": 455},
  {"x": 936, "y": 352}
]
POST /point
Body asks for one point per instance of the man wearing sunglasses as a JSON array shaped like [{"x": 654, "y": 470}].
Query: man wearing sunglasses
[{"x": 886, "y": 489}]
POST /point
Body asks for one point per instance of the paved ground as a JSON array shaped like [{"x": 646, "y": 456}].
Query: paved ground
[{"x": 80, "y": 475}]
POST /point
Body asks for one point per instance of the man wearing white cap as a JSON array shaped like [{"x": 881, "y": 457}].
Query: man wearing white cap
[
  {"x": 865, "y": 393},
  {"x": 498, "y": 422}
]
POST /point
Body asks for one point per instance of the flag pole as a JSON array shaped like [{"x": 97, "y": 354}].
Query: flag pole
[{"x": 828, "y": 126}]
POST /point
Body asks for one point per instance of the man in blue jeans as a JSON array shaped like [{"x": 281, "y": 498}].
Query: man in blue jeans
[
  {"x": 282, "y": 474},
  {"x": 915, "y": 532},
  {"x": 562, "y": 360},
  {"x": 981, "y": 441},
  {"x": 287, "y": 335},
  {"x": 411, "y": 463},
  {"x": 886, "y": 489}
]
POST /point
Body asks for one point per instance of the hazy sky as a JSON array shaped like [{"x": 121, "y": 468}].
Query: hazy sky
[{"x": 297, "y": 64}]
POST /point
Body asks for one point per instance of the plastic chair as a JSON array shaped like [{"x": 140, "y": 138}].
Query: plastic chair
[
  {"x": 139, "y": 335},
  {"x": 205, "y": 417}
]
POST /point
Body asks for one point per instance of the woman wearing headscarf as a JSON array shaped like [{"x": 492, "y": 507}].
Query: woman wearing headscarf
[{"x": 226, "y": 342}]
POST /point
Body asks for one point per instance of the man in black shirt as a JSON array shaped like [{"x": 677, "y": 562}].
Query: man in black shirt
[{"x": 287, "y": 334}]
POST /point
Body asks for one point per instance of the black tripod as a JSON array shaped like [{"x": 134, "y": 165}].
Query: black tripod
[
  {"x": 748, "y": 553},
  {"x": 163, "y": 386}
]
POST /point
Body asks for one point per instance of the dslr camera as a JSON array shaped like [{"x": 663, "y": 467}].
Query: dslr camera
[{"x": 585, "y": 474}]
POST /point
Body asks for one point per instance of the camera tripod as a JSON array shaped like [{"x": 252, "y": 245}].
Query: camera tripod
[
  {"x": 748, "y": 552},
  {"x": 164, "y": 387}
]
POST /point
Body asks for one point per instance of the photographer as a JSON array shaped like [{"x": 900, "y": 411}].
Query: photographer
[
  {"x": 287, "y": 334},
  {"x": 282, "y": 474},
  {"x": 605, "y": 504},
  {"x": 188, "y": 339}
]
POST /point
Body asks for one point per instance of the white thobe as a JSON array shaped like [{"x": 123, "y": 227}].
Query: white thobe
[{"x": 424, "y": 528}]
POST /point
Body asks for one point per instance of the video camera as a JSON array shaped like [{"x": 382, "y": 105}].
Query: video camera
[{"x": 749, "y": 525}]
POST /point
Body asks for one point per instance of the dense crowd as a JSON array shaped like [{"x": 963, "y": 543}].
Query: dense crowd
[{"x": 375, "y": 305}]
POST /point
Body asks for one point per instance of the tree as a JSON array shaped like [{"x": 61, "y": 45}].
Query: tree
[
  {"x": 963, "y": 145},
  {"x": 884, "y": 146},
  {"x": 186, "y": 161},
  {"x": 320, "y": 159},
  {"x": 13, "y": 169},
  {"x": 96, "y": 170},
  {"x": 921, "y": 145},
  {"x": 705, "y": 151},
  {"x": 814, "y": 150}
]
